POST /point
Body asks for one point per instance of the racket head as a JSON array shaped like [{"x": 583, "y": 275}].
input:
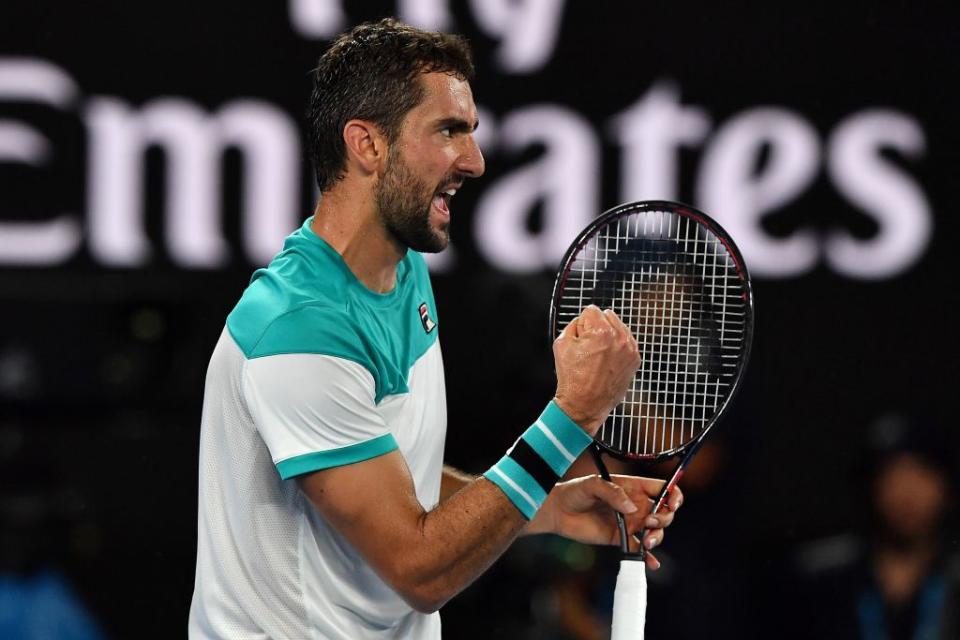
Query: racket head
[{"x": 678, "y": 281}]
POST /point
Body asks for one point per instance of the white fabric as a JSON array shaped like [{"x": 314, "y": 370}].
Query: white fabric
[
  {"x": 303, "y": 403},
  {"x": 268, "y": 566}
]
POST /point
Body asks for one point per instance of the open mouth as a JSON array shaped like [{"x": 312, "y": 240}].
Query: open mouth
[{"x": 442, "y": 199}]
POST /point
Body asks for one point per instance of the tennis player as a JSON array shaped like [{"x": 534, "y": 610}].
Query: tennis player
[{"x": 325, "y": 510}]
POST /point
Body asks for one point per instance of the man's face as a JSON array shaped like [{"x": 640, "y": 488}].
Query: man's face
[{"x": 432, "y": 156}]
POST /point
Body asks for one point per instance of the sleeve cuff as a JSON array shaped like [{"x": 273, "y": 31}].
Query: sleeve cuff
[{"x": 317, "y": 460}]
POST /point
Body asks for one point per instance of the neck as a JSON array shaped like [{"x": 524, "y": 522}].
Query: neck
[
  {"x": 348, "y": 222},
  {"x": 900, "y": 572},
  {"x": 916, "y": 544}
]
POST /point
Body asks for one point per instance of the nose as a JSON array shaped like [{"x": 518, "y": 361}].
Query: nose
[{"x": 471, "y": 162}]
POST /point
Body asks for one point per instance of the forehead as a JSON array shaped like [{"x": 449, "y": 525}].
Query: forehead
[{"x": 444, "y": 96}]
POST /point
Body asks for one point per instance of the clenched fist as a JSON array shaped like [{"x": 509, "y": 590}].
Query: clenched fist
[{"x": 596, "y": 358}]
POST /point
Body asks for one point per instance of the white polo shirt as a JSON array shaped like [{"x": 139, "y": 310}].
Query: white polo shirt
[{"x": 312, "y": 371}]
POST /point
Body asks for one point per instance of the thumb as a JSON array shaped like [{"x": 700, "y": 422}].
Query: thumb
[
  {"x": 612, "y": 495},
  {"x": 572, "y": 330}
]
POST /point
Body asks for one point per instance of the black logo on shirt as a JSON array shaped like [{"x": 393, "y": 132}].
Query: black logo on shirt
[{"x": 425, "y": 320}]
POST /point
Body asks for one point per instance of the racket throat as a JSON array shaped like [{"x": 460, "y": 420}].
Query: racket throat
[{"x": 621, "y": 522}]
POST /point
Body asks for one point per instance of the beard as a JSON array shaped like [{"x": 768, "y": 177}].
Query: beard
[{"x": 404, "y": 203}]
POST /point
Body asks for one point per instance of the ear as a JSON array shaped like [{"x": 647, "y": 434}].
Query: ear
[{"x": 366, "y": 146}]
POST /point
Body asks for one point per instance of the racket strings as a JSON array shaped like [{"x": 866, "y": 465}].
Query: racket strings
[{"x": 675, "y": 284}]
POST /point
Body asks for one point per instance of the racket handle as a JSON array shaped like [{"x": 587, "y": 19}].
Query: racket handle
[{"x": 630, "y": 601}]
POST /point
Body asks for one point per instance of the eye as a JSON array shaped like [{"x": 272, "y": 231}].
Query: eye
[{"x": 447, "y": 132}]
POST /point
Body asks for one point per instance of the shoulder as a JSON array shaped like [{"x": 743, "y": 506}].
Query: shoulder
[
  {"x": 307, "y": 328},
  {"x": 297, "y": 304}
]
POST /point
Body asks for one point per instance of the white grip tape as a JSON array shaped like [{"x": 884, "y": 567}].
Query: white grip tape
[{"x": 630, "y": 601}]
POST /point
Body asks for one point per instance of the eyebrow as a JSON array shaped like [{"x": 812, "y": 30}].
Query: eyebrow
[{"x": 458, "y": 125}]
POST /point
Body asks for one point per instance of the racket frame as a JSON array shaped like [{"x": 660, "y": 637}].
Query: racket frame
[{"x": 687, "y": 449}]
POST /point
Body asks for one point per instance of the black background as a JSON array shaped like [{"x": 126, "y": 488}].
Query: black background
[{"x": 110, "y": 362}]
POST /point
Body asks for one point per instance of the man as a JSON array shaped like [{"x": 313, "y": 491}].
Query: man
[
  {"x": 325, "y": 510},
  {"x": 899, "y": 577}
]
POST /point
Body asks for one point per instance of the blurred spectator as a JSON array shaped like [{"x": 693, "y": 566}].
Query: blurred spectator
[
  {"x": 36, "y": 600},
  {"x": 900, "y": 580},
  {"x": 41, "y": 606}
]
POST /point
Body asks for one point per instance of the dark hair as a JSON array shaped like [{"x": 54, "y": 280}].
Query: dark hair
[
  {"x": 373, "y": 73},
  {"x": 893, "y": 434}
]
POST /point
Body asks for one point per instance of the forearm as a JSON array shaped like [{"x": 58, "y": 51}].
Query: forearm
[
  {"x": 426, "y": 556},
  {"x": 452, "y": 481},
  {"x": 430, "y": 556},
  {"x": 480, "y": 517},
  {"x": 458, "y": 540}
]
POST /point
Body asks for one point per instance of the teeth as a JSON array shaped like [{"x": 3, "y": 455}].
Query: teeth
[{"x": 451, "y": 192}]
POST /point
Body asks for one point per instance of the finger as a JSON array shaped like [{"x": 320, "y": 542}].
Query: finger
[
  {"x": 651, "y": 561},
  {"x": 592, "y": 319},
  {"x": 612, "y": 495},
  {"x": 572, "y": 330},
  {"x": 624, "y": 331},
  {"x": 614, "y": 321},
  {"x": 611, "y": 316},
  {"x": 661, "y": 520},
  {"x": 642, "y": 522},
  {"x": 640, "y": 489},
  {"x": 644, "y": 491},
  {"x": 652, "y": 539},
  {"x": 621, "y": 333},
  {"x": 653, "y": 535},
  {"x": 674, "y": 498}
]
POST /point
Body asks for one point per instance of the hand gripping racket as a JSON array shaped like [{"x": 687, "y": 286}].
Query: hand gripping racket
[{"x": 677, "y": 280}]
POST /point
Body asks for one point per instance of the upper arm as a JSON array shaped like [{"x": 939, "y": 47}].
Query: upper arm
[
  {"x": 315, "y": 411},
  {"x": 373, "y": 504},
  {"x": 319, "y": 419}
]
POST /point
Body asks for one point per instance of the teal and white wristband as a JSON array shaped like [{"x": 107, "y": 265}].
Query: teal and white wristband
[{"x": 538, "y": 459}]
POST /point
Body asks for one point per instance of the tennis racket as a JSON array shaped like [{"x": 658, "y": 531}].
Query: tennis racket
[{"x": 677, "y": 280}]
